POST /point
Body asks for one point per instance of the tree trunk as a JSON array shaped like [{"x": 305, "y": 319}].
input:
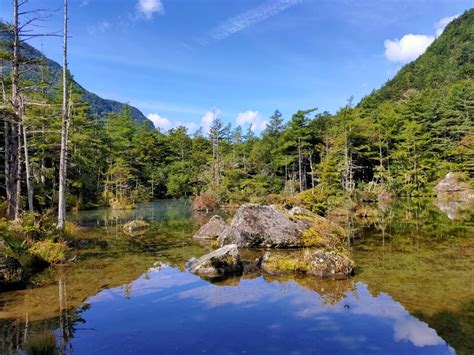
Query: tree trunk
[
  {"x": 29, "y": 180},
  {"x": 311, "y": 169},
  {"x": 18, "y": 175},
  {"x": 300, "y": 163},
  {"x": 12, "y": 128},
  {"x": 64, "y": 131}
]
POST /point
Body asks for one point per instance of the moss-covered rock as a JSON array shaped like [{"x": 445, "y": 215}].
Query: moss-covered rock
[
  {"x": 275, "y": 264},
  {"x": 317, "y": 263},
  {"x": 11, "y": 272}
]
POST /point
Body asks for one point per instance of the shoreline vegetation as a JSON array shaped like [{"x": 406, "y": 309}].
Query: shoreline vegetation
[{"x": 399, "y": 141}]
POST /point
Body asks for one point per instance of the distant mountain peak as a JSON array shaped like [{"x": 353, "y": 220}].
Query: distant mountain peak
[{"x": 98, "y": 105}]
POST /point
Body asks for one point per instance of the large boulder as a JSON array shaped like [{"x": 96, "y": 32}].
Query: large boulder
[
  {"x": 219, "y": 264},
  {"x": 11, "y": 272},
  {"x": 263, "y": 226},
  {"x": 212, "y": 229},
  {"x": 317, "y": 263}
]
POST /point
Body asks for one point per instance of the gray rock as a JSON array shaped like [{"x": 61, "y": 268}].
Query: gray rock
[
  {"x": 11, "y": 272},
  {"x": 263, "y": 226},
  {"x": 212, "y": 230},
  {"x": 219, "y": 264}
]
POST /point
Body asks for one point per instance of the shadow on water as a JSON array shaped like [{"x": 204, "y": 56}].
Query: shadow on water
[{"x": 412, "y": 294}]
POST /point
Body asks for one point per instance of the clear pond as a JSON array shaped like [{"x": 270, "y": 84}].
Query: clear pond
[{"x": 413, "y": 292}]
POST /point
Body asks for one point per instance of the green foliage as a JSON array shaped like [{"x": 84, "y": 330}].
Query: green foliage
[{"x": 48, "y": 251}]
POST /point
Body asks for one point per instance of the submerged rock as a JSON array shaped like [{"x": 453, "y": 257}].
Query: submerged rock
[
  {"x": 136, "y": 226},
  {"x": 11, "y": 272},
  {"x": 212, "y": 230},
  {"x": 318, "y": 263},
  {"x": 330, "y": 264},
  {"x": 219, "y": 264},
  {"x": 455, "y": 196},
  {"x": 263, "y": 226},
  {"x": 455, "y": 187}
]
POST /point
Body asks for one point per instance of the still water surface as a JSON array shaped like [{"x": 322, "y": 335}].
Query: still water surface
[{"x": 413, "y": 292}]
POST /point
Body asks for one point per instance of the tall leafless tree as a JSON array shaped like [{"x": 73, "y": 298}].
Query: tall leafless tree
[
  {"x": 64, "y": 128},
  {"x": 12, "y": 125},
  {"x": 15, "y": 138}
]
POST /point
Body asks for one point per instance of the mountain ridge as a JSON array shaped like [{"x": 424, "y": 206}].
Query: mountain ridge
[
  {"x": 431, "y": 70},
  {"x": 99, "y": 106}
]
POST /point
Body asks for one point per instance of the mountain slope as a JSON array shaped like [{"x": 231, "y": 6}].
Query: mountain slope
[
  {"x": 448, "y": 60},
  {"x": 98, "y": 105}
]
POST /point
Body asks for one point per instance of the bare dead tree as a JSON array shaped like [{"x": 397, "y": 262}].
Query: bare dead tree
[
  {"x": 64, "y": 129},
  {"x": 19, "y": 32},
  {"x": 29, "y": 179},
  {"x": 12, "y": 127},
  {"x": 300, "y": 164}
]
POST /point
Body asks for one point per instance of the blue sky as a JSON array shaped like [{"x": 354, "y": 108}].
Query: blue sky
[{"x": 178, "y": 60}]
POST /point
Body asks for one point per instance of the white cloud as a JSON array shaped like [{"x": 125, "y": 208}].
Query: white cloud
[
  {"x": 253, "y": 118},
  {"x": 258, "y": 14},
  {"x": 411, "y": 46},
  {"x": 417, "y": 332},
  {"x": 206, "y": 120},
  {"x": 101, "y": 27},
  {"x": 165, "y": 124},
  {"x": 441, "y": 24},
  {"x": 149, "y": 7},
  {"x": 160, "y": 122},
  {"x": 408, "y": 48}
]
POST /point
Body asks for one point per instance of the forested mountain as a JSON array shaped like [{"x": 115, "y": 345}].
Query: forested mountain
[
  {"x": 43, "y": 66},
  {"x": 448, "y": 60}
]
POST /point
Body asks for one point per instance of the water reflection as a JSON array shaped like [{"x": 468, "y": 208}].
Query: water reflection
[
  {"x": 412, "y": 292},
  {"x": 176, "y": 312},
  {"x": 163, "y": 210}
]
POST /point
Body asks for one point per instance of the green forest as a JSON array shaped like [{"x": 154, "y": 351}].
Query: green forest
[{"x": 398, "y": 141}]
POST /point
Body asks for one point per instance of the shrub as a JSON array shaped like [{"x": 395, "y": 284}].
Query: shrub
[
  {"x": 71, "y": 230},
  {"x": 41, "y": 344},
  {"x": 35, "y": 226},
  {"x": 325, "y": 234},
  {"x": 205, "y": 202},
  {"x": 121, "y": 204},
  {"x": 321, "y": 199},
  {"x": 50, "y": 252}
]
